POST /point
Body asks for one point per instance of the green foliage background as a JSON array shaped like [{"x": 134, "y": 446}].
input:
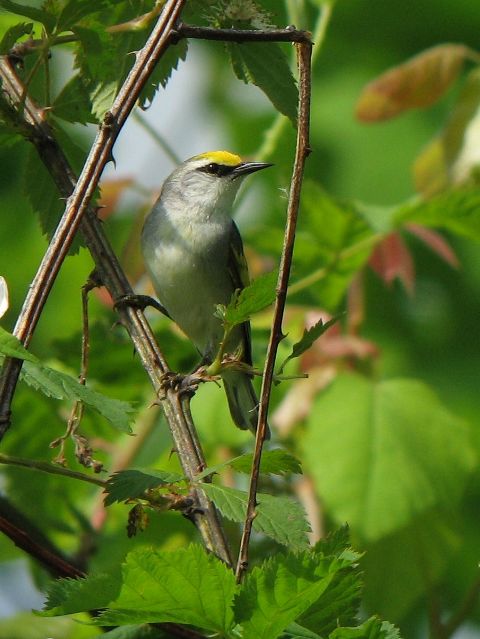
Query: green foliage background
[{"x": 392, "y": 445}]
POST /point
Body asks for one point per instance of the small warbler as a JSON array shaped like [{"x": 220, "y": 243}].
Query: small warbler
[{"x": 193, "y": 253}]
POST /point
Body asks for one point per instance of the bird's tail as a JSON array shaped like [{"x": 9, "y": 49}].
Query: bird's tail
[{"x": 242, "y": 401}]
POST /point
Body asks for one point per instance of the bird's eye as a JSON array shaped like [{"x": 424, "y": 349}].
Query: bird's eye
[{"x": 216, "y": 169}]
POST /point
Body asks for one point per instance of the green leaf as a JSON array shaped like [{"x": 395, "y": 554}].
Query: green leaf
[
  {"x": 13, "y": 34},
  {"x": 383, "y": 452},
  {"x": 457, "y": 211},
  {"x": 163, "y": 71},
  {"x": 42, "y": 193},
  {"x": 95, "y": 54},
  {"x": 266, "y": 66},
  {"x": 10, "y": 346},
  {"x": 39, "y": 15},
  {"x": 340, "y": 603},
  {"x": 186, "y": 586},
  {"x": 341, "y": 242},
  {"x": 102, "y": 97},
  {"x": 136, "y": 631},
  {"x": 296, "y": 631},
  {"x": 280, "y": 518},
  {"x": 68, "y": 596},
  {"x": 276, "y": 593},
  {"x": 373, "y": 628},
  {"x": 129, "y": 484},
  {"x": 433, "y": 536},
  {"x": 310, "y": 335},
  {"x": 73, "y": 102},
  {"x": 75, "y": 10},
  {"x": 252, "y": 299},
  {"x": 62, "y": 386},
  {"x": 273, "y": 462}
]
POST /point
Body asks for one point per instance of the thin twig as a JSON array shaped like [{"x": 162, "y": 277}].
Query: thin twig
[
  {"x": 51, "y": 469},
  {"x": 304, "y": 51},
  {"x": 290, "y": 34}
]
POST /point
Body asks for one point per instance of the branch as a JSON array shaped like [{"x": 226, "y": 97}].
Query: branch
[
  {"x": 26, "y": 536},
  {"x": 304, "y": 52},
  {"x": 31, "y": 124},
  {"x": 290, "y": 34}
]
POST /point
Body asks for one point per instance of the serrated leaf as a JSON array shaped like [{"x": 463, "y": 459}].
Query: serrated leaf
[
  {"x": 39, "y": 15},
  {"x": 278, "y": 591},
  {"x": 129, "y": 484},
  {"x": 163, "y": 71},
  {"x": 174, "y": 587},
  {"x": 95, "y": 54},
  {"x": 102, "y": 97},
  {"x": 359, "y": 430},
  {"x": 13, "y": 34},
  {"x": 10, "y": 346},
  {"x": 62, "y": 386},
  {"x": 273, "y": 462},
  {"x": 252, "y": 299},
  {"x": 373, "y": 628},
  {"x": 42, "y": 193},
  {"x": 340, "y": 603},
  {"x": 457, "y": 211},
  {"x": 75, "y": 10},
  {"x": 310, "y": 335},
  {"x": 266, "y": 66},
  {"x": 68, "y": 596},
  {"x": 73, "y": 102},
  {"x": 278, "y": 517},
  {"x": 417, "y": 83}
]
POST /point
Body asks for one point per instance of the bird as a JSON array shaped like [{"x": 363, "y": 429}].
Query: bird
[{"x": 193, "y": 253}]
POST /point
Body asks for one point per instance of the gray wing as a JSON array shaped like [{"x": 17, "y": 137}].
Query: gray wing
[{"x": 238, "y": 270}]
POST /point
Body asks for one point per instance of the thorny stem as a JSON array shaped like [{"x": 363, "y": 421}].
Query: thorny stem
[
  {"x": 30, "y": 123},
  {"x": 304, "y": 51}
]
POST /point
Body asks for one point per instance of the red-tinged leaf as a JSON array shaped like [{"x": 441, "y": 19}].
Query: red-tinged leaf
[
  {"x": 436, "y": 242},
  {"x": 392, "y": 259},
  {"x": 418, "y": 82}
]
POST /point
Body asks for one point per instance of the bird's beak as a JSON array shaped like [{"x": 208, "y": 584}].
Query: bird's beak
[{"x": 249, "y": 167}]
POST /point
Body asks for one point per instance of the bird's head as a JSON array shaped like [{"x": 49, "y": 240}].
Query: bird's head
[{"x": 211, "y": 179}]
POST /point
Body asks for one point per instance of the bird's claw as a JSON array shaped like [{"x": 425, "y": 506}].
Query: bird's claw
[
  {"x": 186, "y": 384},
  {"x": 139, "y": 301}
]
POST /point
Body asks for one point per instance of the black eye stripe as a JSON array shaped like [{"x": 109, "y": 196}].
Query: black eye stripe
[{"x": 216, "y": 169}]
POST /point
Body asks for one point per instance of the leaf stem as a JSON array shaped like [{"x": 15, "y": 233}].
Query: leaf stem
[
  {"x": 46, "y": 467},
  {"x": 304, "y": 52}
]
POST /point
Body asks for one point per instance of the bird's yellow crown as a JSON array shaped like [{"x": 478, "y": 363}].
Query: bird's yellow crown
[{"x": 221, "y": 157}]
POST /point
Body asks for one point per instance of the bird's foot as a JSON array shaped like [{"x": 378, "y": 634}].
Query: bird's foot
[
  {"x": 186, "y": 384},
  {"x": 141, "y": 302}
]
